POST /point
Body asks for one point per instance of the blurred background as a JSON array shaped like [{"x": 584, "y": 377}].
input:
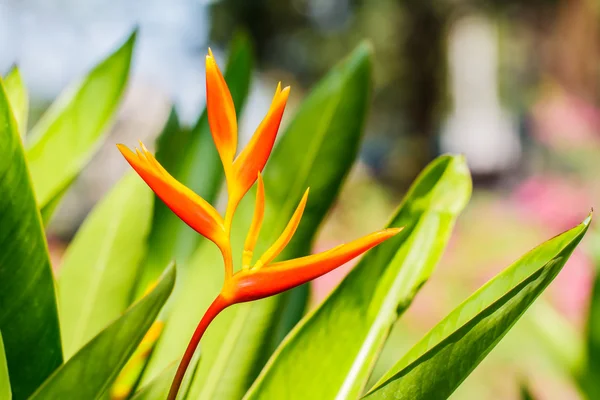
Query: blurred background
[{"x": 513, "y": 85}]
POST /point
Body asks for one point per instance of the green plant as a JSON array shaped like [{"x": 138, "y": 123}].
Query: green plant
[{"x": 114, "y": 333}]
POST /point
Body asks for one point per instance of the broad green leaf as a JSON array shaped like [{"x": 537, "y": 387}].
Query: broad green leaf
[
  {"x": 558, "y": 335},
  {"x": 5, "y": 391},
  {"x": 19, "y": 99},
  {"x": 589, "y": 377},
  {"x": 191, "y": 157},
  {"x": 93, "y": 368},
  {"x": 340, "y": 342},
  {"x": 443, "y": 359},
  {"x": 101, "y": 263},
  {"x": 69, "y": 133},
  {"x": 28, "y": 312},
  {"x": 317, "y": 150}
]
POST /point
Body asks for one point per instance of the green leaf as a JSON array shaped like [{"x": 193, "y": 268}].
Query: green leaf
[
  {"x": 340, "y": 341},
  {"x": 317, "y": 150},
  {"x": 191, "y": 157},
  {"x": 5, "y": 391},
  {"x": 101, "y": 263},
  {"x": 69, "y": 133},
  {"x": 525, "y": 392},
  {"x": 444, "y": 358},
  {"x": 158, "y": 388},
  {"x": 19, "y": 98},
  {"x": 28, "y": 315},
  {"x": 588, "y": 379},
  {"x": 93, "y": 368}
]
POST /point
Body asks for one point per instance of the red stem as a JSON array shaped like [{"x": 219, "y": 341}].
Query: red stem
[{"x": 218, "y": 305}]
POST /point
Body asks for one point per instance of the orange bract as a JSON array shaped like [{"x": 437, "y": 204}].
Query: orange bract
[{"x": 191, "y": 208}]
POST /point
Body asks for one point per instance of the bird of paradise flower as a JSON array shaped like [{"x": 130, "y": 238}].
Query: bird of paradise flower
[{"x": 264, "y": 277}]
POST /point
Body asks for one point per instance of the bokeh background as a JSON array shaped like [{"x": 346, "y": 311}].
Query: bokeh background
[{"x": 513, "y": 85}]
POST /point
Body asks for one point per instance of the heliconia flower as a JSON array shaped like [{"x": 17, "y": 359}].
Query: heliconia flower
[{"x": 265, "y": 277}]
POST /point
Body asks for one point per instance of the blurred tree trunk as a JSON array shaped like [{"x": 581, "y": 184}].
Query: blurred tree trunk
[
  {"x": 424, "y": 53},
  {"x": 574, "y": 51}
]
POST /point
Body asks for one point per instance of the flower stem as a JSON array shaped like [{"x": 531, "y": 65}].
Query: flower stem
[{"x": 218, "y": 305}]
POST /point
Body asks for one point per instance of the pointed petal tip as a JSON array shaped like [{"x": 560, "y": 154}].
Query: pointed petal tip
[{"x": 392, "y": 231}]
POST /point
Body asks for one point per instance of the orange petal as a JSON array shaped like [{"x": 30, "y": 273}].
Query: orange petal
[
  {"x": 259, "y": 212},
  {"x": 221, "y": 112},
  {"x": 248, "y": 285},
  {"x": 254, "y": 156},
  {"x": 186, "y": 204},
  {"x": 285, "y": 236}
]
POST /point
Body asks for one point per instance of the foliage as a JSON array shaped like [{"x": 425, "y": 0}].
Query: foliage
[{"x": 106, "y": 304}]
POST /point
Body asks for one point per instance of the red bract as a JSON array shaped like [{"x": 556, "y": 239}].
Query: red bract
[{"x": 263, "y": 278}]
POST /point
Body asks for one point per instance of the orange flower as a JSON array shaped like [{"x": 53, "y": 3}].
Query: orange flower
[{"x": 263, "y": 278}]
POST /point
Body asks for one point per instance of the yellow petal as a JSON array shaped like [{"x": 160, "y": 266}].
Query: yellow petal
[
  {"x": 285, "y": 236},
  {"x": 257, "y": 219}
]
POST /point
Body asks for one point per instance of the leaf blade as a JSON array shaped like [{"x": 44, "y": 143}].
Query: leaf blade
[
  {"x": 442, "y": 359},
  {"x": 5, "y": 390},
  {"x": 28, "y": 316},
  {"x": 100, "y": 265},
  {"x": 19, "y": 98},
  {"x": 347, "y": 332},
  {"x": 67, "y": 135},
  {"x": 93, "y": 368}
]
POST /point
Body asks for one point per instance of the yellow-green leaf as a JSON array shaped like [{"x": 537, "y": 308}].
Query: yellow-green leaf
[
  {"x": 91, "y": 371},
  {"x": 443, "y": 358},
  {"x": 69, "y": 133},
  {"x": 100, "y": 265}
]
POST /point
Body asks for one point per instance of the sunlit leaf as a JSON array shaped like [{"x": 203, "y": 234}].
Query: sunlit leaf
[
  {"x": 19, "y": 98},
  {"x": 5, "y": 391},
  {"x": 588, "y": 378},
  {"x": 93, "y": 368},
  {"x": 443, "y": 358},
  {"x": 332, "y": 352},
  {"x": 28, "y": 315},
  {"x": 69, "y": 133},
  {"x": 100, "y": 265}
]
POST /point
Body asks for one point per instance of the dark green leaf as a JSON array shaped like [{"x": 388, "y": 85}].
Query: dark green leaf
[
  {"x": 340, "y": 342},
  {"x": 93, "y": 368},
  {"x": 28, "y": 315},
  {"x": 68, "y": 134},
  {"x": 443, "y": 359},
  {"x": 101, "y": 263},
  {"x": 191, "y": 157},
  {"x": 526, "y": 393},
  {"x": 19, "y": 99}
]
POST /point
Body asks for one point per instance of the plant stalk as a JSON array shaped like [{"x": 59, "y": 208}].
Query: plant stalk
[{"x": 218, "y": 305}]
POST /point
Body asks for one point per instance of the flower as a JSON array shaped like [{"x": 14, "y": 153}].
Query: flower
[{"x": 264, "y": 277}]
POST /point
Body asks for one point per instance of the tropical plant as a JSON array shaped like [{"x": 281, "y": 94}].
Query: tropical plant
[{"x": 106, "y": 329}]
